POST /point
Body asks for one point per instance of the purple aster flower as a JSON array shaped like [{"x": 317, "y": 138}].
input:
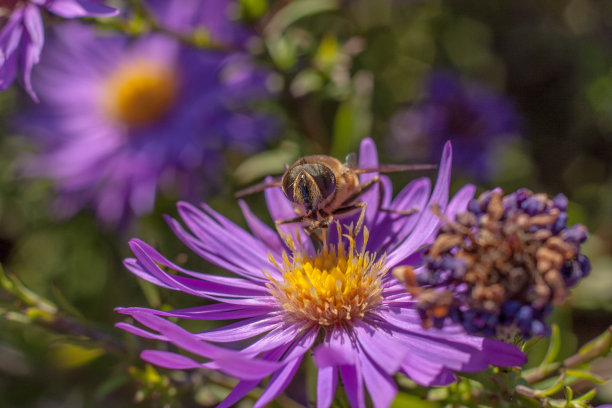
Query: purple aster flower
[
  {"x": 288, "y": 298},
  {"x": 214, "y": 18},
  {"x": 119, "y": 119},
  {"x": 23, "y": 36},
  {"x": 499, "y": 266},
  {"x": 473, "y": 117}
]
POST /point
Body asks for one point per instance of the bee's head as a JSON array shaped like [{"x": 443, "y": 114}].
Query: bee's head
[{"x": 308, "y": 184}]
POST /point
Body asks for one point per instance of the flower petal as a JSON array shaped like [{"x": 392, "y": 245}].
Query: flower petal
[
  {"x": 266, "y": 234},
  {"x": 169, "y": 360},
  {"x": 229, "y": 361},
  {"x": 255, "y": 288},
  {"x": 224, "y": 237},
  {"x": 189, "y": 285},
  {"x": 218, "y": 311},
  {"x": 381, "y": 387},
  {"x": 353, "y": 384},
  {"x": 337, "y": 349},
  {"x": 238, "y": 392},
  {"x": 503, "y": 354},
  {"x": 33, "y": 45},
  {"x": 425, "y": 372},
  {"x": 428, "y": 221},
  {"x": 380, "y": 346},
  {"x": 280, "y": 209},
  {"x": 139, "y": 332},
  {"x": 392, "y": 229},
  {"x": 460, "y": 200},
  {"x": 368, "y": 159},
  {"x": 80, "y": 8},
  {"x": 242, "y": 330},
  {"x": 279, "y": 382},
  {"x": 327, "y": 382}
]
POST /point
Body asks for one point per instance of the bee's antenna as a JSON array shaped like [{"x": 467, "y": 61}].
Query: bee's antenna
[
  {"x": 256, "y": 188},
  {"x": 392, "y": 168}
]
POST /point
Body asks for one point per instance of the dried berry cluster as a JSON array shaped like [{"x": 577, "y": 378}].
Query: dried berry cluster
[{"x": 500, "y": 264}]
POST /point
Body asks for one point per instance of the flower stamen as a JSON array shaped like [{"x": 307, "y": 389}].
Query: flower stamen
[{"x": 333, "y": 287}]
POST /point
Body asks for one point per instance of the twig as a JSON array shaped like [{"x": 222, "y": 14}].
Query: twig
[{"x": 574, "y": 360}]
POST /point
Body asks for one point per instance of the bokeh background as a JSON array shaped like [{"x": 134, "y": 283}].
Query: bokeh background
[{"x": 522, "y": 88}]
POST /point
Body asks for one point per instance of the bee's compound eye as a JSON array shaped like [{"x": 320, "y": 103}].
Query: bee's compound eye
[
  {"x": 288, "y": 182},
  {"x": 308, "y": 183},
  {"x": 323, "y": 177}
]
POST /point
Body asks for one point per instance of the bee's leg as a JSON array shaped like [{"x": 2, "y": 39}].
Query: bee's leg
[
  {"x": 353, "y": 207},
  {"x": 278, "y": 223},
  {"x": 361, "y": 189},
  {"x": 381, "y": 195}
]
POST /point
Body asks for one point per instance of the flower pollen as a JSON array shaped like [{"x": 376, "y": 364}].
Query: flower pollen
[
  {"x": 140, "y": 92},
  {"x": 334, "y": 287}
]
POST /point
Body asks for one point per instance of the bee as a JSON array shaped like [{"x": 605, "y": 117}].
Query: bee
[{"x": 322, "y": 188}]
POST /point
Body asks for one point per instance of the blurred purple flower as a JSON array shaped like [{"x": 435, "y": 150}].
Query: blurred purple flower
[
  {"x": 118, "y": 119},
  {"x": 473, "y": 117},
  {"x": 289, "y": 298},
  {"x": 214, "y": 17},
  {"x": 23, "y": 36}
]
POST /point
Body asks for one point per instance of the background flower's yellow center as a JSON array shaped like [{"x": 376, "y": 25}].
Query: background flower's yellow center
[
  {"x": 333, "y": 287},
  {"x": 140, "y": 92}
]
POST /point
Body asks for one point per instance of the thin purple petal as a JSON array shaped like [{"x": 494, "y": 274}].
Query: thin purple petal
[
  {"x": 266, "y": 234},
  {"x": 327, "y": 382},
  {"x": 278, "y": 382},
  {"x": 337, "y": 349},
  {"x": 381, "y": 387},
  {"x": 353, "y": 385},
  {"x": 80, "y": 8},
  {"x": 368, "y": 159},
  {"x": 169, "y": 360},
  {"x": 428, "y": 221}
]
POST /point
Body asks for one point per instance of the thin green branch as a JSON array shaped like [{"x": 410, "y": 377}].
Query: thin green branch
[{"x": 596, "y": 348}]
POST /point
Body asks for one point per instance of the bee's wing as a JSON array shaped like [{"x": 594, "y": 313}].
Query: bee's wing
[
  {"x": 393, "y": 168},
  {"x": 351, "y": 160},
  {"x": 257, "y": 188}
]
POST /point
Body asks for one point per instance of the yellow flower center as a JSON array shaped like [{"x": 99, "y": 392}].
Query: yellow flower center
[
  {"x": 333, "y": 287},
  {"x": 140, "y": 92}
]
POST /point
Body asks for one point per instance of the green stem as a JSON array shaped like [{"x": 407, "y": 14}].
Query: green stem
[{"x": 601, "y": 345}]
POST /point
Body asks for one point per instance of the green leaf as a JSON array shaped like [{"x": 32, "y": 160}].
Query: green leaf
[
  {"x": 529, "y": 344},
  {"x": 72, "y": 356},
  {"x": 553, "y": 346},
  {"x": 605, "y": 338},
  {"x": 353, "y": 120},
  {"x": 406, "y": 400},
  {"x": 556, "y": 387},
  {"x": 344, "y": 124},
  {"x": 587, "y": 397},
  {"x": 253, "y": 9},
  {"x": 295, "y": 11},
  {"x": 282, "y": 51},
  {"x": 569, "y": 393},
  {"x": 585, "y": 375},
  {"x": 266, "y": 163}
]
